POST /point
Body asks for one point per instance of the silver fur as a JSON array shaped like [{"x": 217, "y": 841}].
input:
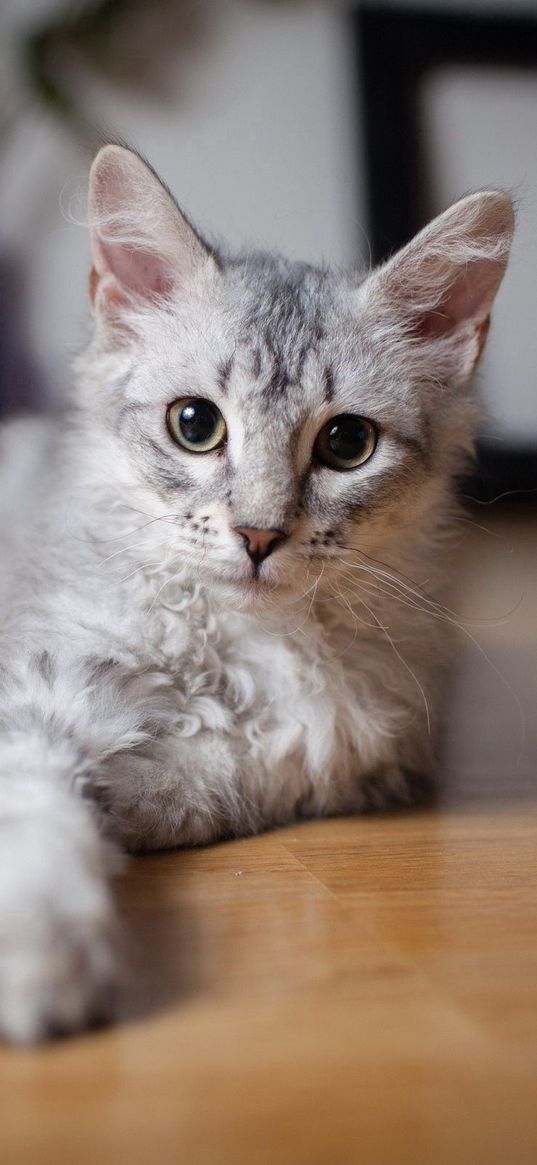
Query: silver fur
[{"x": 153, "y": 691}]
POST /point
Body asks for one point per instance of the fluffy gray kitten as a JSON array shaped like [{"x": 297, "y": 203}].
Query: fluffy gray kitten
[{"x": 222, "y": 591}]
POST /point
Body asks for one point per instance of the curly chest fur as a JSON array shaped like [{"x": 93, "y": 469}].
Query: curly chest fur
[{"x": 284, "y": 708}]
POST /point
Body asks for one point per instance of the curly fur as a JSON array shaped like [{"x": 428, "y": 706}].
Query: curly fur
[{"x": 155, "y": 691}]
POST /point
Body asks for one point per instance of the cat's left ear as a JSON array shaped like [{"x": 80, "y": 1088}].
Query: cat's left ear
[
  {"x": 143, "y": 247},
  {"x": 442, "y": 284}
]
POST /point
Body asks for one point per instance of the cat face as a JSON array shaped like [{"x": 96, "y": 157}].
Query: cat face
[
  {"x": 277, "y": 413},
  {"x": 252, "y": 416}
]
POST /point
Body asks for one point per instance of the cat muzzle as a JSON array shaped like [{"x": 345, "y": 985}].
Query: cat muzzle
[{"x": 259, "y": 543}]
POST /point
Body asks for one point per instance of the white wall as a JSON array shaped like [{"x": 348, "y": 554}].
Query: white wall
[
  {"x": 481, "y": 131},
  {"x": 258, "y": 144}
]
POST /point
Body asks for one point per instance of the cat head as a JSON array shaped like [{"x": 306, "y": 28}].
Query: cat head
[{"x": 275, "y": 412}]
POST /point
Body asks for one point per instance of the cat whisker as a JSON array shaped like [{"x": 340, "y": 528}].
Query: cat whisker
[
  {"x": 459, "y": 624},
  {"x": 171, "y": 518},
  {"x": 444, "y": 615},
  {"x": 166, "y": 583},
  {"x": 123, "y": 550},
  {"x": 400, "y": 585},
  {"x": 300, "y": 599},
  {"x": 477, "y": 526},
  {"x": 135, "y": 509},
  {"x": 508, "y": 493},
  {"x": 379, "y": 563},
  {"x": 94, "y": 541},
  {"x": 401, "y": 657},
  {"x": 400, "y": 597},
  {"x": 353, "y": 587},
  {"x": 312, "y": 600},
  {"x": 338, "y": 595},
  {"x": 144, "y": 567}
]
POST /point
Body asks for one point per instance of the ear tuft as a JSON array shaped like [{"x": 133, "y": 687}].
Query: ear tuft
[
  {"x": 142, "y": 245},
  {"x": 444, "y": 282}
]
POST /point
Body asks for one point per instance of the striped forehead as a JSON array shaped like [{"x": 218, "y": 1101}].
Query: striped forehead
[
  {"x": 281, "y": 310},
  {"x": 261, "y": 372}
]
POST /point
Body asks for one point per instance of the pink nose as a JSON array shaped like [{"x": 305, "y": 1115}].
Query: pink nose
[{"x": 259, "y": 543}]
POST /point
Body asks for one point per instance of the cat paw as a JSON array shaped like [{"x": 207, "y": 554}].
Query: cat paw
[{"x": 57, "y": 972}]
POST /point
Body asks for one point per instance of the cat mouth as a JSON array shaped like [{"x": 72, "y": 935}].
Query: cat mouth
[
  {"x": 256, "y": 591},
  {"x": 253, "y": 585}
]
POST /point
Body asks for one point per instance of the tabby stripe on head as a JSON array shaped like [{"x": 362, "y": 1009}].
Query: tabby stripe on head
[
  {"x": 301, "y": 359},
  {"x": 224, "y": 372},
  {"x": 46, "y": 667},
  {"x": 278, "y": 381},
  {"x": 256, "y": 363},
  {"x": 328, "y": 384}
]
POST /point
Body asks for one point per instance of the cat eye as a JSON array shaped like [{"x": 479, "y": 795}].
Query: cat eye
[
  {"x": 196, "y": 424},
  {"x": 345, "y": 442}
]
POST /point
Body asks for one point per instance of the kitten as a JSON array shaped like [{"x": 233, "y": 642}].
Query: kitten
[{"x": 222, "y": 587}]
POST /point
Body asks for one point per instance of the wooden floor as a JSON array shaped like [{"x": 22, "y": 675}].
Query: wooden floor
[{"x": 351, "y": 991}]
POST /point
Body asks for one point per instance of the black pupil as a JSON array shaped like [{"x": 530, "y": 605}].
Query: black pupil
[
  {"x": 347, "y": 438},
  {"x": 198, "y": 422}
]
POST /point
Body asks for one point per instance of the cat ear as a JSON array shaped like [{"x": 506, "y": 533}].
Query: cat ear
[
  {"x": 444, "y": 282},
  {"x": 142, "y": 245}
]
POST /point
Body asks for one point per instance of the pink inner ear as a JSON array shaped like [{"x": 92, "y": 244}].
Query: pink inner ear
[
  {"x": 137, "y": 272},
  {"x": 468, "y": 299}
]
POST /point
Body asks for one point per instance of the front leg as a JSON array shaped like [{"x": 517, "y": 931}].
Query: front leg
[
  {"x": 58, "y": 926},
  {"x": 91, "y": 752},
  {"x": 57, "y": 922},
  {"x": 176, "y": 791}
]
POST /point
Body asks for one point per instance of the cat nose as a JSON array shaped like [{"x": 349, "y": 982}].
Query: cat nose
[{"x": 259, "y": 543}]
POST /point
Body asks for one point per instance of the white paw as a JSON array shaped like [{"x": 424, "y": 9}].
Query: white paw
[
  {"x": 57, "y": 926},
  {"x": 57, "y": 971}
]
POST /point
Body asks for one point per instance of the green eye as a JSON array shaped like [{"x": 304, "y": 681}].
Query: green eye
[
  {"x": 196, "y": 424},
  {"x": 345, "y": 442}
]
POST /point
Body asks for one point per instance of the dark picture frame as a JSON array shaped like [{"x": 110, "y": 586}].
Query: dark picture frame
[{"x": 396, "y": 48}]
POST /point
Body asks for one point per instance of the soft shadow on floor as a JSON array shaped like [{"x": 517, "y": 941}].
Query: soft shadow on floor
[{"x": 161, "y": 942}]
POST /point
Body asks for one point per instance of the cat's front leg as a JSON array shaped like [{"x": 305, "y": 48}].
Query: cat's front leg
[
  {"x": 87, "y": 756},
  {"x": 177, "y": 791},
  {"x": 57, "y": 922}
]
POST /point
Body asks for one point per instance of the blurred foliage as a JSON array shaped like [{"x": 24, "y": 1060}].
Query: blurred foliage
[
  {"x": 129, "y": 42},
  {"x": 139, "y": 45}
]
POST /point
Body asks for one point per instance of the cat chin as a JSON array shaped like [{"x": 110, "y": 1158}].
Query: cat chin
[{"x": 252, "y": 594}]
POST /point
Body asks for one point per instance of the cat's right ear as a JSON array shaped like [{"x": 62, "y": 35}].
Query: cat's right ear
[
  {"x": 442, "y": 285},
  {"x": 143, "y": 248}
]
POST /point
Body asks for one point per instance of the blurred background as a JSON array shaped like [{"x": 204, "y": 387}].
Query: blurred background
[{"x": 327, "y": 129}]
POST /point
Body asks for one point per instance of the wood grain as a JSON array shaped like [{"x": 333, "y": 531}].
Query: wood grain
[{"x": 358, "y": 990}]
